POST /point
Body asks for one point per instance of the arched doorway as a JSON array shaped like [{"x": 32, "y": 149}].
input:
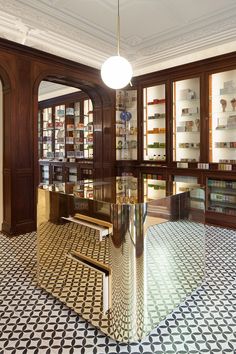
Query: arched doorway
[
  {"x": 65, "y": 134},
  {"x": 103, "y": 102}
]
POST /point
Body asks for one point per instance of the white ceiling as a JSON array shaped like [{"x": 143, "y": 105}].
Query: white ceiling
[
  {"x": 153, "y": 32},
  {"x": 49, "y": 90}
]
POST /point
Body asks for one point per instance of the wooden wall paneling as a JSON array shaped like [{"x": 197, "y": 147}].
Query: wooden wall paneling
[
  {"x": 21, "y": 70},
  {"x": 170, "y": 123},
  {"x": 108, "y": 139},
  {"x": 140, "y": 123},
  {"x": 27, "y": 67}
]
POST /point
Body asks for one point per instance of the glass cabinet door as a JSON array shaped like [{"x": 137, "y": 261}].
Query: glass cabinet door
[
  {"x": 69, "y": 132},
  {"x": 60, "y": 131},
  {"x": 186, "y": 120},
  {"x": 78, "y": 132},
  {"x": 153, "y": 188},
  {"x": 88, "y": 129},
  {"x": 222, "y": 117},
  {"x": 126, "y": 125},
  {"x": 47, "y": 134},
  {"x": 154, "y": 123},
  {"x": 221, "y": 196}
]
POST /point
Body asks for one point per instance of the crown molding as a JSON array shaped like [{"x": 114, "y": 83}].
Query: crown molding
[
  {"x": 183, "y": 58},
  {"x": 61, "y": 35}
]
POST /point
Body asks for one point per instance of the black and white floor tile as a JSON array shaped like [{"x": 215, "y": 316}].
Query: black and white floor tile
[{"x": 32, "y": 321}]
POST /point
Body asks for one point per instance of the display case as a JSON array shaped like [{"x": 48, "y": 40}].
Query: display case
[
  {"x": 188, "y": 183},
  {"x": 186, "y": 120},
  {"x": 65, "y": 139},
  {"x": 126, "y": 190},
  {"x": 44, "y": 173},
  {"x": 222, "y": 117},
  {"x": 71, "y": 173},
  {"x": 221, "y": 196},
  {"x": 88, "y": 129},
  {"x": 46, "y": 135},
  {"x": 154, "y": 123},
  {"x": 58, "y": 127},
  {"x": 66, "y": 131},
  {"x": 153, "y": 188},
  {"x": 84, "y": 189},
  {"x": 57, "y": 173},
  {"x": 126, "y": 125}
]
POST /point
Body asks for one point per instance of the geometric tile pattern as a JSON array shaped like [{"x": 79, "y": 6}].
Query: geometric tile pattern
[{"x": 33, "y": 321}]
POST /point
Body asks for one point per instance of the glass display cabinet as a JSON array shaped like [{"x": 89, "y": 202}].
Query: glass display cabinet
[
  {"x": 222, "y": 117},
  {"x": 154, "y": 123},
  {"x": 59, "y": 131},
  {"x": 47, "y": 134},
  {"x": 57, "y": 173},
  {"x": 126, "y": 125},
  {"x": 153, "y": 188},
  {"x": 66, "y": 131},
  {"x": 190, "y": 183},
  {"x": 126, "y": 190},
  {"x": 71, "y": 173},
  {"x": 221, "y": 196},
  {"x": 186, "y": 120},
  {"x": 88, "y": 129},
  {"x": 44, "y": 172}
]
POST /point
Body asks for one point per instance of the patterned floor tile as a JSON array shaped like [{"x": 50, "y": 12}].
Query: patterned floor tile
[{"x": 33, "y": 322}]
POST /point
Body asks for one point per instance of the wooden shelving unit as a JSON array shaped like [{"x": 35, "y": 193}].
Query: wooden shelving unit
[{"x": 65, "y": 139}]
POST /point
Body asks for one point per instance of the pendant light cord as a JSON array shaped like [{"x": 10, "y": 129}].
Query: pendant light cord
[{"x": 118, "y": 29}]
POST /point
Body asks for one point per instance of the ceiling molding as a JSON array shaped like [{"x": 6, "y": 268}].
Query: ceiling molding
[{"x": 45, "y": 26}]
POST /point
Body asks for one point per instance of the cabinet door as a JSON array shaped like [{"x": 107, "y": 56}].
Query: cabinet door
[
  {"x": 69, "y": 132},
  {"x": 71, "y": 173},
  {"x": 60, "y": 132},
  {"x": 154, "y": 123},
  {"x": 154, "y": 187},
  {"x": 58, "y": 173},
  {"x": 186, "y": 120},
  {"x": 221, "y": 196},
  {"x": 126, "y": 125},
  {"x": 44, "y": 173},
  {"x": 78, "y": 130},
  {"x": 222, "y": 117},
  {"x": 88, "y": 129},
  {"x": 47, "y": 134}
]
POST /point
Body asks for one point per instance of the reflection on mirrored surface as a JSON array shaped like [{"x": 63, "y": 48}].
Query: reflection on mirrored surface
[{"x": 100, "y": 253}]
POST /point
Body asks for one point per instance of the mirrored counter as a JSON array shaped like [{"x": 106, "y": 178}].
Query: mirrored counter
[{"x": 122, "y": 252}]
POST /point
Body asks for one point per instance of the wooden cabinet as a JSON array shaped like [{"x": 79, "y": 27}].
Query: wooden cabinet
[
  {"x": 187, "y": 124},
  {"x": 60, "y": 172}
]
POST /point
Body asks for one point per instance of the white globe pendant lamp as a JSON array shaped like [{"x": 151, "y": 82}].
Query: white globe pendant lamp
[{"x": 116, "y": 71}]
